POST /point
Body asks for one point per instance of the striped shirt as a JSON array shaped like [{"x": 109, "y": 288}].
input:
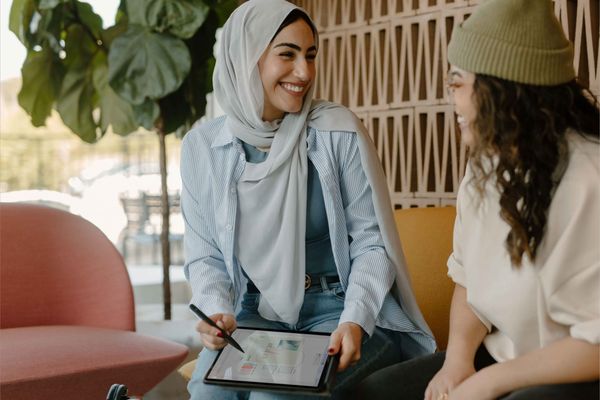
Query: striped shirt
[{"x": 212, "y": 161}]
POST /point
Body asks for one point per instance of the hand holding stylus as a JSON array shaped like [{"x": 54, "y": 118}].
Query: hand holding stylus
[{"x": 211, "y": 336}]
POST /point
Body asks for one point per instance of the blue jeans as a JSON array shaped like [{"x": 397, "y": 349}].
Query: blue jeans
[{"x": 320, "y": 312}]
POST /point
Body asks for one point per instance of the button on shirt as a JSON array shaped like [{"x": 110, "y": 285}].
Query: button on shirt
[{"x": 212, "y": 162}]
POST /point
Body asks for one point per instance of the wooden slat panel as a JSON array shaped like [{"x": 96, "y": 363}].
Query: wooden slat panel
[{"x": 386, "y": 60}]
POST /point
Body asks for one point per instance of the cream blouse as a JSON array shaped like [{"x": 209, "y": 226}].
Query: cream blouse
[{"x": 557, "y": 296}]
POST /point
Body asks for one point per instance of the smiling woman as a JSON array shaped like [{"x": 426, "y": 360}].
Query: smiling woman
[
  {"x": 289, "y": 223},
  {"x": 525, "y": 313},
  {"x": 287, "y": 67}
]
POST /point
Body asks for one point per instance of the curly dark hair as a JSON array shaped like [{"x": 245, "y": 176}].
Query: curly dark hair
[{"x": 524, "y": 128}]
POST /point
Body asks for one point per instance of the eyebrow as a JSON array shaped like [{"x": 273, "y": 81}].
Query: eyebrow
[
  {"x": 295, "y": 46},
  {"x": 454, "y": 72}
]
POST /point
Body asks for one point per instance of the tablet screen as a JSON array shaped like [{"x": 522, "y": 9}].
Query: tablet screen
[{"x": 273, "y": 357}]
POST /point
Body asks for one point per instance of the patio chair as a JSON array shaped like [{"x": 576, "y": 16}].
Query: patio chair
[
  {"x": 153, "y": 203},
  {"x": 68, "y": 320},
  {"x": 138, "y": 234}
]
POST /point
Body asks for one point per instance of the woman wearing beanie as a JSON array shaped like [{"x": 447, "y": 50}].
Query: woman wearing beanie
[
  {"x": 289, "y": 223},
  {"x": 525, "y": 315}
]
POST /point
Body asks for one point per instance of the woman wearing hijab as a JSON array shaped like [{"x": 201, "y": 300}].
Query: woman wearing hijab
[
  {"x": 289, "y": 224},
  {"x": 525, "y": 315}
]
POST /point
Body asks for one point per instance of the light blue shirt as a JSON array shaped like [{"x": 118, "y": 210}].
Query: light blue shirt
[{"x": 212, "y": 161}]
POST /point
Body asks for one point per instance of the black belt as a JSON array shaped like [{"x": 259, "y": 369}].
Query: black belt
[{"x": 308, "y": 282}]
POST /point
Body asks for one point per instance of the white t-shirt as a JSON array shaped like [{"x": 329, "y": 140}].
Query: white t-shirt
[{"x": 529, "y": 307}]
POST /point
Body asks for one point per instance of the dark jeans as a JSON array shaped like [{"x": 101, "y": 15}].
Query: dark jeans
[{"x": 409, "y": 379}]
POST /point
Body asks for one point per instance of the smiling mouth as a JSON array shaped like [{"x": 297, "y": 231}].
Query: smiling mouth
[{"x": 293, "y": 89}]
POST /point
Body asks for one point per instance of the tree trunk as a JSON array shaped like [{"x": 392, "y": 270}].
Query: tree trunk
[{"x": 164, "y": 234}]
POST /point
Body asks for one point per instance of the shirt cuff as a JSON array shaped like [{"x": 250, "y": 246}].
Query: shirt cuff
[
  {"x": 588, "y": 331},
  {"x": 359, "y": 315},
  {"x": 456, "y": 271},
  {"x": 212, "y": 305}
]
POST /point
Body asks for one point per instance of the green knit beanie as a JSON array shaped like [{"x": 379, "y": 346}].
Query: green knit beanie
[{"x": 516, "y": 40}]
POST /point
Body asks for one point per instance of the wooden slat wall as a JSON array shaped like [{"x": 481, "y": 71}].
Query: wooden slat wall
[{"x": 386, "y": 60}]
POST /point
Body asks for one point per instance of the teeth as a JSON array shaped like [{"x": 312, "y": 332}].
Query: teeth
[
  {"x": 460, "y": 119},
  {"x": 293, "y": 88}
]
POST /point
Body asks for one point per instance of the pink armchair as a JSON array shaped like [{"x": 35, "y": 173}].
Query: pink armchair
[{"x": 67, "y": 329}]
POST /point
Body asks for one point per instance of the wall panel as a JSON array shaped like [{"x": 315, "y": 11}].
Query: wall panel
[{"x": 386, "y": 60}]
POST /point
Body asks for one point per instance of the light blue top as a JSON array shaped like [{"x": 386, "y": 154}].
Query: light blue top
[
  {"x": 212, "y": 161},
  {"x": 319, "y": 257}
]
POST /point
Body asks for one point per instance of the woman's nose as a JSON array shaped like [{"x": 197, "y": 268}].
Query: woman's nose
[{"x": 302, "y": 70}]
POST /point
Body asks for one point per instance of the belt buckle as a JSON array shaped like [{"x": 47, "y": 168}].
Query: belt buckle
[{"x": 307, "y": 281}]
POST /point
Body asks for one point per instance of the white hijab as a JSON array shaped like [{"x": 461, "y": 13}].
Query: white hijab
[{"x": 271, "y": 225}]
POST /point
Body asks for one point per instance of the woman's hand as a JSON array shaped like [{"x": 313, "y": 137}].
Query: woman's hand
[
  {"x": 466, "y": 334},
  {"x": 476, "y": 387},
  {"x": 211, "y": 336},
  {"x": 346, "y": 340},
  {"x": 566, "y": 360},
  {"x": 450, "y": 376}
]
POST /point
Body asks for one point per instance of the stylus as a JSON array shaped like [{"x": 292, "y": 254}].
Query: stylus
[{"x": 212, "y": 323}]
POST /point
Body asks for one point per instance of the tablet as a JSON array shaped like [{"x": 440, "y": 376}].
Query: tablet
[{"x": 275, "y": 360}]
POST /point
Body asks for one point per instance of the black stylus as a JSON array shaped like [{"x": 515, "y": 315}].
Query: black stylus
[{"x": 209, "y": 321}]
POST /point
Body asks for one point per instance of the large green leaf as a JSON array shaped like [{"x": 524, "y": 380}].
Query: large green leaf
[
  {"x": 76, "y": 104},
  {"x": 80, "y": 48},
  {"x": 147, "y": 113},
  {"x": 21, "y": 12},
  {"x": 92, "y": 21},
  {"x": 42, "y": 78},
  {"x": 181, "y": 18},
  {"x": 114, "y": 110},
  {"x": 143, "y": 64}
]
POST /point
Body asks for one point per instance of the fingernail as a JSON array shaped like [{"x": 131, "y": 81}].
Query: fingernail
[{"x": 219, "y": 334}]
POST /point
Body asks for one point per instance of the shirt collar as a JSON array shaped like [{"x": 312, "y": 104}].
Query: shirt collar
[{"x": 224, "y": 137}]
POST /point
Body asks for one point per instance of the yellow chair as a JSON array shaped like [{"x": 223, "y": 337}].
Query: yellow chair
[
  {"x": 426, "y": 236},
  {"x": 187, "y": 369}
]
